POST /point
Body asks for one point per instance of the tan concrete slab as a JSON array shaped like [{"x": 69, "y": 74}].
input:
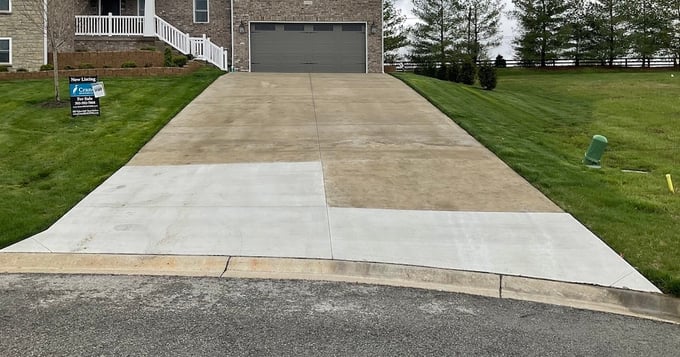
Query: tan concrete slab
[
  {"x": 472, "y": 183},
  {"x": 335, "y": 112},
  {"x": 264, "y": 113},
  {"x": 230, "y": 144},
  {"x": 392, "y": 137},
  {"x": 256, "y": 85}
]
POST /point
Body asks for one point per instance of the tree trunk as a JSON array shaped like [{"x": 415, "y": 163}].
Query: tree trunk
[{"x": 55, "y": 74}]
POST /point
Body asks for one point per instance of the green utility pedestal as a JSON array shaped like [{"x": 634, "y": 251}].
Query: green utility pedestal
[{"x": 595, "y": 151}]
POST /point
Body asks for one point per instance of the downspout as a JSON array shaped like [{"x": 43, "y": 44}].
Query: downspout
[
  {"x": 231, "y": 31},
  {"x": 382, "y": 37},
  {"x": 45, "y": 31}
]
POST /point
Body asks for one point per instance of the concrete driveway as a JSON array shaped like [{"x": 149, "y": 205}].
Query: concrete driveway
[{"x": 333, "y": 166}]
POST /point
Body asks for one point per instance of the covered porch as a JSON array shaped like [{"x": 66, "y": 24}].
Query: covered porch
[{"x": 110, "y": 19}]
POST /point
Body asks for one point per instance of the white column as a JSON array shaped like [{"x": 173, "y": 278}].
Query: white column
[{"x": 150, "y": 18}]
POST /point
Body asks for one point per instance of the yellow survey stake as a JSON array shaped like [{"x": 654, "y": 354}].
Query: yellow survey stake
[{"x": 669, "y": 181}]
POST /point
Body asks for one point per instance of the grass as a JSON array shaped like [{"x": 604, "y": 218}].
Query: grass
[
  {"x": 50, "y": 161},
  {"x": 540, "y": 123}
]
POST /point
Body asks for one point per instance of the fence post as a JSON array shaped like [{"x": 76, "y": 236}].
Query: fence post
[{"x": 110, "y": 24}]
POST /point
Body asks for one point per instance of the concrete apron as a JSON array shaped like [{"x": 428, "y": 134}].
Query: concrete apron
[{"x": 342, "y": 167}]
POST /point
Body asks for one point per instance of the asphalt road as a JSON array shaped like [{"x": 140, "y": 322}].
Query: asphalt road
[{"x": 68, "y": 315}]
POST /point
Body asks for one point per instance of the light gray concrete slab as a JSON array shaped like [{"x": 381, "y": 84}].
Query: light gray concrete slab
[
  {"x": 544, "y": 245},
  {"x": 27, "y": 245},
  {"x": 251, "y": 231},
  {"x": 234, "y": 185},
  {"x": 237, "y": 209}
]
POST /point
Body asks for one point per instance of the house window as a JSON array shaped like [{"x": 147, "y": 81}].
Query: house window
[
  {"x": 5, "y": 5},
  {"x": 5, "y": 51},
  {"x": 352, "y": 27},
  {"x": 200, "y": 10},
  {"x": 293, "y": 27},
  {"x": 140, "y": 7},
  {"x": 323, "y": 27}
]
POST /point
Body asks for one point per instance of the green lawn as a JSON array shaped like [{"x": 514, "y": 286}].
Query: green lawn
[
  {"x": 49, "y": 161},
  {"x": 540, "y": 123}
]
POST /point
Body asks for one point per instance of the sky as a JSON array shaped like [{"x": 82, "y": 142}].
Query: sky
[{"x": 507, "y": 24}]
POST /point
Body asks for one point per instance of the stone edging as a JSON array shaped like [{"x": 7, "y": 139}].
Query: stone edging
[{"x": 612, "y": 300}]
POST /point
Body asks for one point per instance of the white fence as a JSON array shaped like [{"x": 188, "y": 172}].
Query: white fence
[
  {"x": 110, "y": 25},
  {"x": 199, "y": 47}
]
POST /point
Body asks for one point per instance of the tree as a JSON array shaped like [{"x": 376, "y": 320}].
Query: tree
[
  {"x": 55, "y": 18},
  {"x": 394, "y": 33},
  {"x": 673, "y": 46},
  {"x": 481, "y": 27},
  {"x": 435, "y": 37},
  {"x": 542, "y": 29},
  {"x": 648, "y": 26},
  {"x": 610, "y": 29},
  {"x": 581, "y": 30}
]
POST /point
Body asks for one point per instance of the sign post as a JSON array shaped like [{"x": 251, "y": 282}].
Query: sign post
[{"x": 85, "y": 92}]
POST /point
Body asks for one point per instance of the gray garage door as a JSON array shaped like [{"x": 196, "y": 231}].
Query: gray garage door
[{"x": 295, "y": 48}]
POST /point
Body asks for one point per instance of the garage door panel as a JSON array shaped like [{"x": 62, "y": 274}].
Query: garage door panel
[{"x": 300, "y": 48}]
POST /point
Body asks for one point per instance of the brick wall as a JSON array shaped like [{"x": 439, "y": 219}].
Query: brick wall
[
  {"x": 105, "y": 72},
  {"x": 104, "y": 44},
  {"x": 24, "y": 27},
  {"x": 369, "y": 11},
  {"x": 180, "y": 13}
]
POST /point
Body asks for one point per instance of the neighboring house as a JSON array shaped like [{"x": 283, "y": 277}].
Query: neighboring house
[
  {"x": 22, "y": 44},
  {"x": 246, "y": 35}
]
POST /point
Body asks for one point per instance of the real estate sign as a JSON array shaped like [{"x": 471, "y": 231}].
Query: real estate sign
[{"x": 85, "y": 92}]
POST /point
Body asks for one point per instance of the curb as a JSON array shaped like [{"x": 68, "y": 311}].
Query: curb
[
  {"x": 647, "y": 305},
  {"x": 67, "y": 263}
]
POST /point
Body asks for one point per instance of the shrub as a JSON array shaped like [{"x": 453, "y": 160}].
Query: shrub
[
  {"x": 85, "y": 66},
  {"x": 128, "y": 64},
  {"x": 500, "y": 62},
  {"x": 147, "y": 65},
  {"x": 179, "y": 60},
  {"x": 417, "y": 70},
  {"x": 442, "y": 72},
  {"x": 68, "y": 66},
  {"x": 430, "y": 70},
  {"x": 167, "y": 58},
  {"x": 468, "y": 72},
  {"x": 453, "y": 69},
  {"x": 22, "y": 70},
  {"x": 4, "y": 69},
  {"x": 487, "y": 76},
  {"x": 47, "y": 67}
]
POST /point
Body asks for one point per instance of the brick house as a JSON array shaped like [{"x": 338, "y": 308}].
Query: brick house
[
  {"x": 246, "y": 35},
  {"x": 22, "y": 43}
]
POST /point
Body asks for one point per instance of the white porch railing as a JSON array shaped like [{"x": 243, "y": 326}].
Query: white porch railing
[
  {"x": 110, "y": 25},
  {"x": 172, "y": 36},
  {"x": 199, "y": 47},
  {"x": 202, "y": 48}
]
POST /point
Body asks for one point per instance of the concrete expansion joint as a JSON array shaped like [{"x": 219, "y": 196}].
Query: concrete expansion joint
[{"x": 647, "y": 305}]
